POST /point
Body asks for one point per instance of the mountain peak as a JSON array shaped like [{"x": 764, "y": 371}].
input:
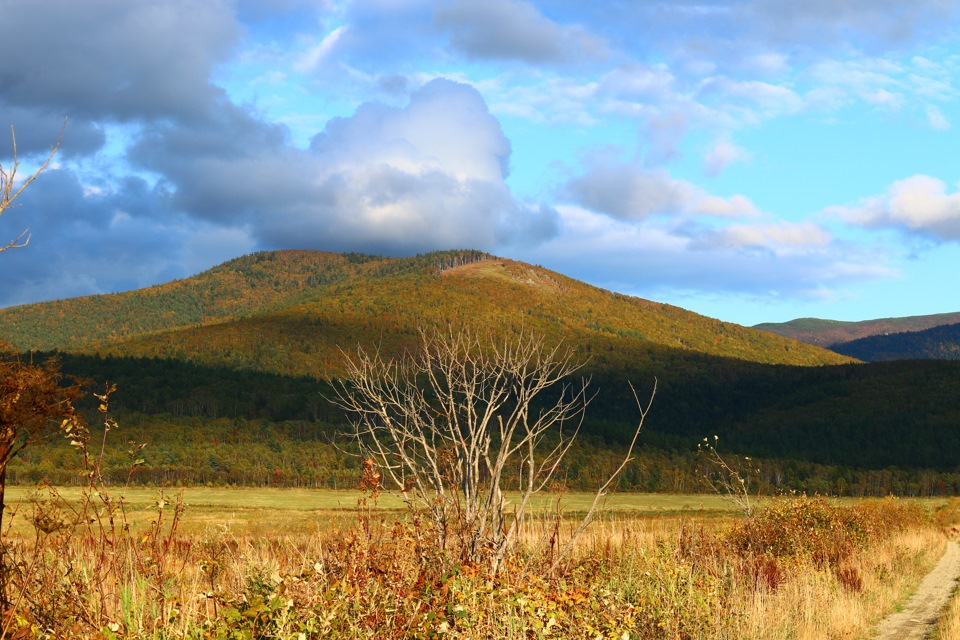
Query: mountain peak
[{"x": 292, "y": 312}]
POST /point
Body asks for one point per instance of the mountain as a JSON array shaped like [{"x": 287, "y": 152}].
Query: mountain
[
  {"x": 234, "y": 363},
  {"x": 938, "y": 343},
  {"x": 292, "y": 312},
  {"x": 824, "y": 333}
]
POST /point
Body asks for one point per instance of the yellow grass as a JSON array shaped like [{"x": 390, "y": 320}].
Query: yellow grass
[
  {"x": 653, "y": 566},
  {"x": 948, "y": 627}
]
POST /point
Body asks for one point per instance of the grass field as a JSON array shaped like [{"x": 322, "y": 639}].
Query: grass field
[
  {"x": 261, "y": 510},
  {"x": 286, "y": 563}
]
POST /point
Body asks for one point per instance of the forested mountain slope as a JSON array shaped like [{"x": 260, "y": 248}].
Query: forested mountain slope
[
  {"x": 824, "y": 333},
  {"x": 237, "y": 288},
  {"x": 938, "y": 343},
  {"x": 292, "y": 313}
]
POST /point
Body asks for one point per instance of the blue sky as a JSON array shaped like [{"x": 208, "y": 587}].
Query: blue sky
[{"x": 752, "y": 160}]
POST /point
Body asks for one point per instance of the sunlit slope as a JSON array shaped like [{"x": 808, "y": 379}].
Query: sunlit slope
[
  {"x": 238, "y": 288},
  {"x": 384, "y": 302}
]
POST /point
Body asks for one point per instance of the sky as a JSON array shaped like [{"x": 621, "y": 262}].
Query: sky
[{"x": 750, "y": 160}]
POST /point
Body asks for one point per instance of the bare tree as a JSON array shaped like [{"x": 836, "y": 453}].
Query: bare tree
[
  {"x": 10, "y": 190},
  {"x": 451, "y": 424}
]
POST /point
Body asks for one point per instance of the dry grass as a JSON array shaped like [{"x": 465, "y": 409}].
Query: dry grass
[
  {"x": 376, "y": 575},
  {"x": 948, "y": 627}
]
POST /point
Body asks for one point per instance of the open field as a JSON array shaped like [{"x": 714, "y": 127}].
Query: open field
[
  {"x": 328, "y": 499},
  {"x": 266, "y": 511},
  {"x": 278, "y": 563}
]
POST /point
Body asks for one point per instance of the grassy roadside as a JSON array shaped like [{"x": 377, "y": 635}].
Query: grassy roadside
[{"x": 948, "y": 626}]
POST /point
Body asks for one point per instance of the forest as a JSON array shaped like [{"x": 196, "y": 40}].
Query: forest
[
  {"x": 936, "y": 343},
  {"x": 221, "y": 426}
]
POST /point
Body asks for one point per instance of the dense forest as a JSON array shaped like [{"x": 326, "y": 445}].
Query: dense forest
[
  {"x": 938, "y": 343},
  {"x": 825, "y": 429}
]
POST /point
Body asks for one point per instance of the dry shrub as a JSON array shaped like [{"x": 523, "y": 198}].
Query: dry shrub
[
  {"x": 802, "y": 530},
  {"x": 763, "y": 571},
  {"x": 849, "y": 577},
  {"x": 947, "y": 516}
]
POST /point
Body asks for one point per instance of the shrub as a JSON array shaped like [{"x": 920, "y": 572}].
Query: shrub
[{"x": 818, "y": 529}]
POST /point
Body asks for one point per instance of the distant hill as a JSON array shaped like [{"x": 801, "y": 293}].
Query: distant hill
[
  {"x": 291, "y": 313},
  {"x": 824, "y": 333},
  {"x": 938, "y": 343}
]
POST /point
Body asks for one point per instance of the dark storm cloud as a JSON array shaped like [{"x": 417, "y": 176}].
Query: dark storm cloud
[
  {"x": 86, "y": 242},
  {"x": 113, "y": 58},
  {"x": 37, "y": 132}
]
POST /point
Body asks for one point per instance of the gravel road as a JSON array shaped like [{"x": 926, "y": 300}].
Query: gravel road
[{"x": 916, "y": 620}]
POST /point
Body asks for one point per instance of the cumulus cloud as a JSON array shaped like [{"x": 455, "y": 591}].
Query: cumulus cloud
[
  {"x": 919, "y": 204},
  {"x": 630, "y": 192},
  {"x": 202, "y": 178},
  {"x": 426, "y": 176}
]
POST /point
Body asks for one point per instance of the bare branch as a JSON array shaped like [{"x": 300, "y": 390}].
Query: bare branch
[
  {"x": 450, "y": 424},
  {"x": 9, "y": 192},
  {"x": 605, "y": 487}
]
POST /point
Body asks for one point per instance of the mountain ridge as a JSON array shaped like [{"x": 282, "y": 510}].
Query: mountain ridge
[
  {"x": 291, "y": 312},
  {"x": 825, "y": 333}
]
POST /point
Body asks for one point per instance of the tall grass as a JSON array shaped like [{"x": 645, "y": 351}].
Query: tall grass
[{"x": 799, "y": 568}]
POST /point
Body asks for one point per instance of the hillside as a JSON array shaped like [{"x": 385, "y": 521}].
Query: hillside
[
  {"x": 238, "y": 371},
  {"x": 824, "y": 333},
  {"x": 938, "y": 343},
  {"x": 237, "y": 288},
  {"x": 291, "y": 313}
]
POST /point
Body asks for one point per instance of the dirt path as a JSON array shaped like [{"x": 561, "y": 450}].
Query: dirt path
[{"x": 916, "y": 620}]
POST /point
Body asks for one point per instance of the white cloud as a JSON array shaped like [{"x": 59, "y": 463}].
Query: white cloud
[
  {"x": 426, "y": 176},
  {"x": 656, "y": 259},
  {"x": 760, "y": 98},
  {"x": 314, "y": 56},
  {"x": 919, "y": 204},
  {"x": 630, "y": 192},
  {"x": 637, "y": 81},
  {"x": 936, "y": 119},
  {"x": 781, "y": 237},
  {"x": 722, "y": 154}
]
